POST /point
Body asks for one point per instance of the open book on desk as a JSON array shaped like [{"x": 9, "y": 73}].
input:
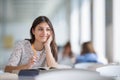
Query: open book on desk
[{"x": 60, "y": 66}]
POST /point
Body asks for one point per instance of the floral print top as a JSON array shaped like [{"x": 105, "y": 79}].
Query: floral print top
[{"x": 22, "y": 53}]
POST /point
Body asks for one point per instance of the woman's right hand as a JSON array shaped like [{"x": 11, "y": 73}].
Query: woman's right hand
[{"x": 32, "y": 61}]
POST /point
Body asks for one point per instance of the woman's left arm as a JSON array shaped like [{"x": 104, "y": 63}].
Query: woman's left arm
[{"x": 49, "y": 57}]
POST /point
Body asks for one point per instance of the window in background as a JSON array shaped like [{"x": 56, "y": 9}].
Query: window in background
[
  {"x": 99, "y": 28},
  {"x": 85, "y": 26},
  {"x": 74, "y": 29},
  {"x": 61, "y": 26},
  {"x": 116, "y": 30}
]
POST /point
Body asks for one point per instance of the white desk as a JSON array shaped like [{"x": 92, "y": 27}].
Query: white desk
[
  {"x": 8, "y": 76},
  {"x": 67, "y": 74},
  {"x": 58, "y": 74}
]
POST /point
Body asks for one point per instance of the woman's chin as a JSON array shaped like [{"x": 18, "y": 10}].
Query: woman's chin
[{"x": 43, "y": 41}]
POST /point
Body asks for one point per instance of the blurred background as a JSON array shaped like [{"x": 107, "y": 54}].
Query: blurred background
[{"x": 76, "y": 21}]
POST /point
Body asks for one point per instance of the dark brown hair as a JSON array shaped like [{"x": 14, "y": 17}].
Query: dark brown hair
[
  {"x": 39, "y": 20},
  {"x": 87, "y": 47}
]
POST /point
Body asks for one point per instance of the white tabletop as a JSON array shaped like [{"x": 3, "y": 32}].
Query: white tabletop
[{"x": 8, "y": 76}]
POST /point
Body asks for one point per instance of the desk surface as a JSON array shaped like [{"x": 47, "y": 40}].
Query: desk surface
[
  {"x": 70, "y": 74},
  {"x": 58, "y": 74},
  {"x": 8, "y": 76}
]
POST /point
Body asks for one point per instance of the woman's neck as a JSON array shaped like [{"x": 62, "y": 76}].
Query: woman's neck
[{"x": 38, "y": 46}]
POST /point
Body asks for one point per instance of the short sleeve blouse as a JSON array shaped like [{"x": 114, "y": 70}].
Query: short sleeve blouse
[{"x": 22, "y": 53}]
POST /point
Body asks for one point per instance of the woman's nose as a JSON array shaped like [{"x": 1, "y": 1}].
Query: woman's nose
[{"x": 45, "y": 32}]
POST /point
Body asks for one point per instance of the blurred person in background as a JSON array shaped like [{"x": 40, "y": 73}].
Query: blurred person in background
[
  {"x": 66, "y": 57},
  {"x": 88, "y": 53},
  {"x": 39, "y": 51}
]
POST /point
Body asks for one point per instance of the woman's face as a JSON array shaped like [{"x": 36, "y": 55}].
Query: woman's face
[{"x": 42, "y": 32}]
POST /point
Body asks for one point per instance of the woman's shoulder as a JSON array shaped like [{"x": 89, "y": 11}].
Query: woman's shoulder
[{"x": 22, "y": 42}]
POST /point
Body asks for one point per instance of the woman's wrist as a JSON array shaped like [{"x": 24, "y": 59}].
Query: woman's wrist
[
  {"x": 26, "y": 66},
  {"x": 47, "y": 47}
]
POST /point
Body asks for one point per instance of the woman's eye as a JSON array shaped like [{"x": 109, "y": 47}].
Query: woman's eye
[
  {"x": 40, "y": 29},
  {"x": 48, "y": 29}
]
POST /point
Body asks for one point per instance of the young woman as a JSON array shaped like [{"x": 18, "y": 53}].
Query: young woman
[{"x": 39, "y": 51}]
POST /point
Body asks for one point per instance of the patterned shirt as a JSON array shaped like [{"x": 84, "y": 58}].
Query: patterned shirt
[{"x": 23, "y": 52}]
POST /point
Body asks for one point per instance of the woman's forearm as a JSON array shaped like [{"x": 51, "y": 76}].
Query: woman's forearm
[
  {"x": 12, "y": 68},
  {"x": 49, "y": 57}
]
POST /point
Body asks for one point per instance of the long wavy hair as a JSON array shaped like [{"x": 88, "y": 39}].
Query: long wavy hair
[
  {"x": 39, "y": 20},
  {"x": 87, "y": 47}
]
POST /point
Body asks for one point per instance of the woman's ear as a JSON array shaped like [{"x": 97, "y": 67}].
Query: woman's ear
[{"x": 33, "y": 31}]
